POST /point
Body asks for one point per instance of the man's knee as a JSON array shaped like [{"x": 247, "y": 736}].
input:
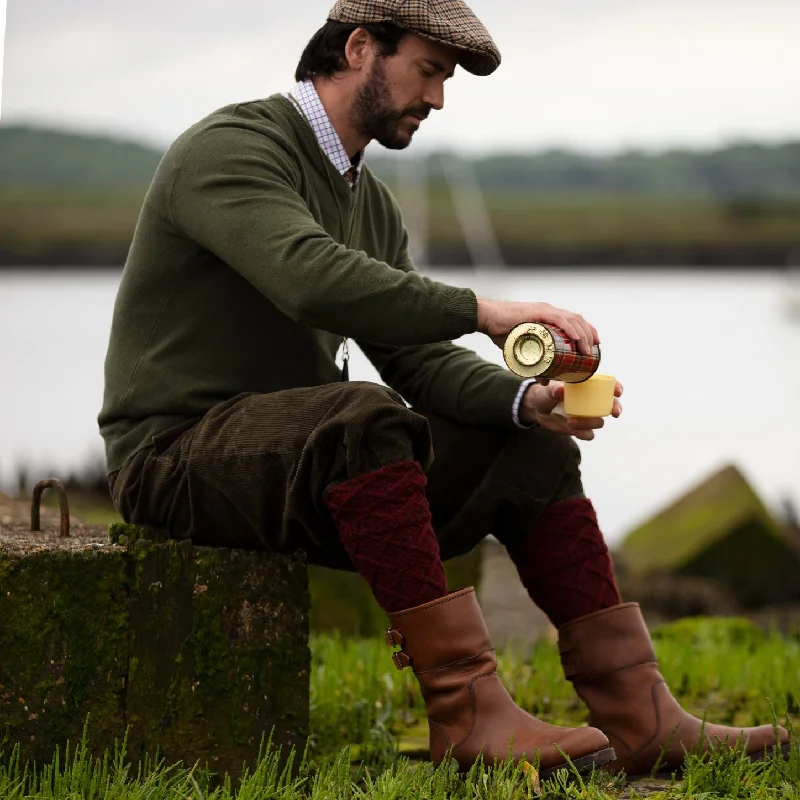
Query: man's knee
[
  {"x": 548, "y": 462},
  {"x": 540, "y": 441},
  {"x": 371, "y": 396},
  {"x": 561, "y": 448},
  {"x": 564, "y": 456},
  {"x": 312, "y": 406},
  {"x": 378, "y": 427}
]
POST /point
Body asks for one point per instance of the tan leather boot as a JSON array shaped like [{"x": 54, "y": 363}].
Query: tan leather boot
[
  {"x": 447, "y": 644},
  {"x": 610, "y": 660}
]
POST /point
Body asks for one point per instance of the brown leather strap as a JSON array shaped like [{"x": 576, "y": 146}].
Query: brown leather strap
[
  {"x": 437, "y": 633},
  {"x": 394, "y": 638},
  {"x": 401, "y": 659}
]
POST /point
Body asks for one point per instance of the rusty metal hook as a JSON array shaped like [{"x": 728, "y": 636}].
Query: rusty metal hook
[{"x": 50, "y": 483}]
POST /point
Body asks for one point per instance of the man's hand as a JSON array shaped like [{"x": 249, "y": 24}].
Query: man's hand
[
  {"x": 496, "y": 318},
  {"x": 538, "y": 401}
]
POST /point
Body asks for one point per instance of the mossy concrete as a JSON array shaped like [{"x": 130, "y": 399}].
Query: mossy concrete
[
  {"x": 63, "y": 641},
  {"x": 196, "y": 652}
]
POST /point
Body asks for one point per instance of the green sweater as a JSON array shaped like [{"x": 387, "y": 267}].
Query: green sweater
[{"x": 251, "y": 259}]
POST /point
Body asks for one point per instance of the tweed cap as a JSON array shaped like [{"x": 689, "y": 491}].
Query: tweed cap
[{"x": 449, "y": 22}]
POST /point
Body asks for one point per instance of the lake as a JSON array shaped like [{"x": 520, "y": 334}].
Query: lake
[{"x": 709, "y": 361}]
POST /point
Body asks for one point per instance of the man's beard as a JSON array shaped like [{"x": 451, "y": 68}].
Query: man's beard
[{"x": 374, "y": 116}]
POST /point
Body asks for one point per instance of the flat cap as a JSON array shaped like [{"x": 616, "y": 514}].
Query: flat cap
[{"x": 449, "y": 22}]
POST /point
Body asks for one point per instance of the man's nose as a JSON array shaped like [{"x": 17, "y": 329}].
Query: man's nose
[{"x": 434, "y": 97}]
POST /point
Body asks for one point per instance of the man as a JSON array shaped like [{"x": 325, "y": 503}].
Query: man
[{"x": 263, "y": 243}]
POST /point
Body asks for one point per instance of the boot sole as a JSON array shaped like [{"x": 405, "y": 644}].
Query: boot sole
[
  {"x": 582, "y": 764},
  {"x": 786, "y": 749}
]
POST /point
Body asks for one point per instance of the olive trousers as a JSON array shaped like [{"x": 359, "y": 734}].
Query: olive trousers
[{"x": 251, "y": 473}]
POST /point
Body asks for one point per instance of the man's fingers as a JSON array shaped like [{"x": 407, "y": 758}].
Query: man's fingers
[
  {"x": 589, "y": 332},
  {"x": 586, "y": 338},
  {"x": 583, "y": 340},
  {"x": 569, "y": 327},
  {"x": 582, "y": 336},
  {"x": 586, "y": 423},
  {"x": 496, "y": 318},
  {"x": 585, "y": 334}
]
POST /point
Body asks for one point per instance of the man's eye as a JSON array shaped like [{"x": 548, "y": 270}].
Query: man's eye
[{"x": 426, "y": 73}]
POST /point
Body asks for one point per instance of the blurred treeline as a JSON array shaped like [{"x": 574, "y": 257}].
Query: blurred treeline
[{"x": 74, "y": 199}]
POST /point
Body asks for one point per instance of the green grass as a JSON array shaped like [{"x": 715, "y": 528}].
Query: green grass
[
  {"x": 523, "y": 217},
  {"x": 727, "y": 774},
  {"x": 729, "y": 667},
  {"x": 38, "y": 220},
  {"x": 34, "y": 220},
  {"x": 369, "y": 732},
  {"x": 88, "y": 508}
]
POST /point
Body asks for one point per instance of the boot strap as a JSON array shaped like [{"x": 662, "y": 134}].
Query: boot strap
[{"x": 400, "y": 658}]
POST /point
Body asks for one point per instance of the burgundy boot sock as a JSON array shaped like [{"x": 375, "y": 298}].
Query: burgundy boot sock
[
  {"x": 564, "y": 563},
  {"x": 384, "y": 523}
]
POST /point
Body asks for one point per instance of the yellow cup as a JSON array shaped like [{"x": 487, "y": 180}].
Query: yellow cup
[{"x": 591, "y": 398}]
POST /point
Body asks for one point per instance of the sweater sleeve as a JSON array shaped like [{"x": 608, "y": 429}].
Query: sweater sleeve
[
  {"x": 446, "y": 379},
  {"x": 449, "y": 381},
  {"x": 235, "y": 194}
]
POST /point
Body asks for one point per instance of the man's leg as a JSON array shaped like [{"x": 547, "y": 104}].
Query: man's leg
[
  {"x": 446, "y": 641},
  {"x": 253, "y": 472},
  {"x": 384, "y": 524},
  {"x": 563, "y": 561},
  {"x": 551, "y": 532},
  {"x": 339, "y": 471}
]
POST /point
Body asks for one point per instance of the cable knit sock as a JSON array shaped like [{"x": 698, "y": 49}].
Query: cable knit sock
[
  {"x": 564, "y": 563},
  {"x": 384, "y": 523}
]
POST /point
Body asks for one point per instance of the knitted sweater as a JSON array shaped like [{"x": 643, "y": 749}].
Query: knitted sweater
[{"x": 252, "y": 258}]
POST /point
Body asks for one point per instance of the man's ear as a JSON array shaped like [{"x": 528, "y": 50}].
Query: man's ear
[{"x": 357, "y": 48}]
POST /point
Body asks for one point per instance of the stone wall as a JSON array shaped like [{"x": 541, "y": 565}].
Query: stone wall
[
  {"x": 198, "y": 652},
  {"x": 511, "y": 616}
]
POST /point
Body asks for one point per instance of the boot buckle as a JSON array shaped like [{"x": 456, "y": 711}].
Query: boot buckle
[
  {"x": 394, "y": 638},
  {"x": 399, "y": 657}
]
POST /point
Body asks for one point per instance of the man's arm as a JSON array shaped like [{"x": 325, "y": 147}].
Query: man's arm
[
  {"x": 235, "y": 194},
  {"x": 446, "y": 379},
  {"x": 449, "y": 381}
]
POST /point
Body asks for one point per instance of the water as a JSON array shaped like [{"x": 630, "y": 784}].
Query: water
[{"x": 709, "y": 362}]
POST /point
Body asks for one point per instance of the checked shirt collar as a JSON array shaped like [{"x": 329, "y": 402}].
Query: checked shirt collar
[{"x": 305, "y": 95}]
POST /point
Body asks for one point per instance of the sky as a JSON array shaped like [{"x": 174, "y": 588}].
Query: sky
[
  {"x": 2, "y": 48},
  {"x": 597, "y": 76}
]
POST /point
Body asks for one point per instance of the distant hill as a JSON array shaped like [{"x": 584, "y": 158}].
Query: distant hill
[
  {"x": 73, "y": 199},
  {"x": 735, "y": 171},
  {"x": 32, "y": 157}
]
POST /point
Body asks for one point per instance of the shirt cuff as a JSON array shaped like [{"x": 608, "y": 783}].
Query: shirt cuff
[{"x": 523, "y": 387}]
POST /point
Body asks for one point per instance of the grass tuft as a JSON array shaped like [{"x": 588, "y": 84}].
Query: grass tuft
[{"x": 370, "y": 734}]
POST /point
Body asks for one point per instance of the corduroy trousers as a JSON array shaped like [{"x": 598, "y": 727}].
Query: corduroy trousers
[{"x": 252, "y": 472}]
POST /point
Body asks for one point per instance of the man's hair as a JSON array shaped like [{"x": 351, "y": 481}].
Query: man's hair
[{"x": 324, "y": 54}]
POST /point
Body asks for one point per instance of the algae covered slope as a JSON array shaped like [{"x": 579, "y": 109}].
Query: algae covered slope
[{"x": 719, "y": 530}]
